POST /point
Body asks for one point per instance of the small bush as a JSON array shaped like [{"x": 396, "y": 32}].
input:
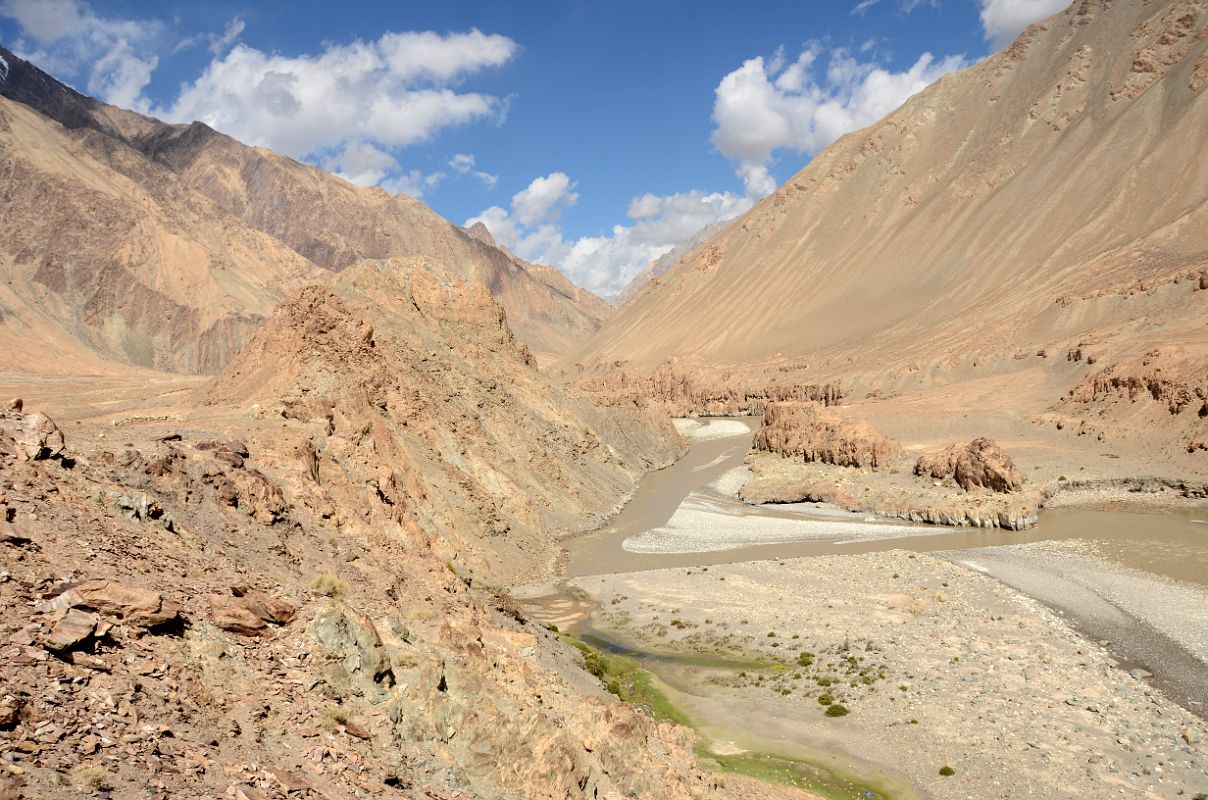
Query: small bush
[
  {"x": 327, "y": 584},
  {"x": 837, "y": 710},
  {"x": 805, "y": 658},
  {"x": 95, "y": 778},
  {"x": 947, "y": 771},
  {"x": 826, "y": 698}
]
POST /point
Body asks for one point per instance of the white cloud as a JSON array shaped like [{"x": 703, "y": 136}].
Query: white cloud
[
  {"x": 463, "y": 164},
  {"x": 763, "y": 107},
  {"x": 365, "y": 91},
  {"x": 604, "y": 263},
  {"x": 544, "y": 199},
  {"x": 1003, "y": 20},
  {"x": 113, "y": 58},
  {"x": 219, "y": 44}
]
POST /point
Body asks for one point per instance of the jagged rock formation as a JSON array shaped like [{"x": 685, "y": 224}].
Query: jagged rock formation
[
  {"x": 686, "y": 389},
  {"x": 980, "y": 464},
  {"x": 165, "y": 246},
  {"x": 808, "y": 432},
  {"x": 421, "y": 369},
  {"x": 161, "y": 640},
  {"x": 1032, "y": 204}
]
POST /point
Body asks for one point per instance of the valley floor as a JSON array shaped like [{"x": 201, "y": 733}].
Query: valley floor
[{"x": 1068, "y": 660}]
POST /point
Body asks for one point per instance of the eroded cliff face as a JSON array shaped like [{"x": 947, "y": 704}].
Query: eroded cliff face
[
  {"x": 1037, "y": 203},
  {"x": 417, "y": 371},
  {"x": 166, "y": 246}
]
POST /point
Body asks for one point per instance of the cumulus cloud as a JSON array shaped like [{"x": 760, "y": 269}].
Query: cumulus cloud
[
  {"x": 766, "y": 106},
  {"x": 1003, "y": 20},
  {"x": 391, "y": 93},
  {"x": 113, "y": 58},
  {"x": 604, "y": 263},
  {"x": 544, "y": 199}
]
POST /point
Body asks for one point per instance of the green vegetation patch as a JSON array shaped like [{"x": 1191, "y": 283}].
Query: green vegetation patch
[{"x": 790, "y": 772}]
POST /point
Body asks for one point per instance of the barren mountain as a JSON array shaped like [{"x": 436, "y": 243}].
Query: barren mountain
[
  {"x": 205, "y": 234},
  {"x": 663, "y": 263},
  {"x": 1024, "y": 244}
]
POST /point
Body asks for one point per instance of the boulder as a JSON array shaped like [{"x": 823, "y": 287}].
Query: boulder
[
  {"x": 74, "y": 627},
  {"x": 140, "y": 607},
  {"x": 978, "y": 464},
  {"x": 35, "y": 435},
  {"x": 250, "y": 614}
]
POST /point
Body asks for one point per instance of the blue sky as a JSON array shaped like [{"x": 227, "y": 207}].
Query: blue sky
[{"x": 590, "y": 135}]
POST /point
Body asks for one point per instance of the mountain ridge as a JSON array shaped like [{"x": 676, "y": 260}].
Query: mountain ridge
[{"x": 321, "y": 218}]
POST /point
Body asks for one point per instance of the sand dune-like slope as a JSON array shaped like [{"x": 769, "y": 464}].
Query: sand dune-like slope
[
  {"x": 165, "y": 246},
  {"x": 1039, "y": 221}
]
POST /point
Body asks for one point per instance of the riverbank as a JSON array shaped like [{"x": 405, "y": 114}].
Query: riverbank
[
  {"x": 1015, "y": 647},
  {"x": 937, "y": 664}
]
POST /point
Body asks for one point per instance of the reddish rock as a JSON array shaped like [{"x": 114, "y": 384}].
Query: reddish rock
[
  {"x": 981, "y": 463},
  {"x": 73, "y": 628},
  {"x": 141, "y": 607},
  {"x": 250, "y": 614}
]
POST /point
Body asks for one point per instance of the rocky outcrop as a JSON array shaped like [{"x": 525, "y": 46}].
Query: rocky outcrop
[
  {"x": 140, "y": 658},
  {"x": 980, "y": 464},
  {"x": 812, "y": 433},
  {"x": 892, "y": 493},
  {"x": 1164, "y": 388},
  {"x": 699, "y": 391},
  {"x": 469, "y": 443}
]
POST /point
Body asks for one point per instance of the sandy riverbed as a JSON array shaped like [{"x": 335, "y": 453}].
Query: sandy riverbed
[{"x": 952, "y": 668}]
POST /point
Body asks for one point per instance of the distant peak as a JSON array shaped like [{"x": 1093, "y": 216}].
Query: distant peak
[{"x": 481, "y": 233}]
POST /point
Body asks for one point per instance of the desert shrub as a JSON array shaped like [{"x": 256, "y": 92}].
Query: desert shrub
[
  {"x": 947, "y": 771},
  {"x": 837, "y": 710},
  {"x": 826, "y": 698},
  {"x": 327, "y": 584},
  {"x": 96, "y": 778},
  {"x": 805, "y": 658}
]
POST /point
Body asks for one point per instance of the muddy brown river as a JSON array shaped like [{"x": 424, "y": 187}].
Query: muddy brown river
[{"x": 1131, "y": 595}]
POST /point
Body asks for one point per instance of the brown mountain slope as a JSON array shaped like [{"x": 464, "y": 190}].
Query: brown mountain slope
[
  {"x": 1050, "y": 200},
  {"x": 98, "y": 265},
  {"x": 225, "y": 185}
]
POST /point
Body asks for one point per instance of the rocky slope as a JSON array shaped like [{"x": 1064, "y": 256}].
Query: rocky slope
[
  {"x": 1027, "y": 238},
  {"x": 205, "y": 234},
  {"x": 417, "y": 371},
  {"x": 280, "y": 584},
  {"x": 183, "y": 618}
]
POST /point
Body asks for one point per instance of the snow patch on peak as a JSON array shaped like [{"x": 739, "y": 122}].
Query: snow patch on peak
[{"x": 3, "y": 70}]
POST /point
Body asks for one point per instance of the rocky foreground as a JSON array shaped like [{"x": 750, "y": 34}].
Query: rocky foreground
[{"x": 180, "y": 619}]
